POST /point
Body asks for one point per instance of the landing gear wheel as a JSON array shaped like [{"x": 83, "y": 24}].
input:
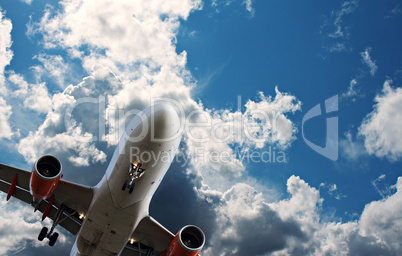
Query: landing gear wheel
[
  {"x": 125, "y": 185},
  {"x": 42, "y": 234},
  {"x": 131, "y": 189},
  {"x": 53, "y": 239}
]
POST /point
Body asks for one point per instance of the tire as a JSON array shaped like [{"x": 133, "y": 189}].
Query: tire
[
  {"x": 131, "y": 189},
  {"x": 42, "y": 234},
  {"x": 125, "y": 185},
  {"x": 53, "y": 239}
]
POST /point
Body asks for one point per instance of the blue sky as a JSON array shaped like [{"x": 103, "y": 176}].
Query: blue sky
[{"x": 225, "y": 62}]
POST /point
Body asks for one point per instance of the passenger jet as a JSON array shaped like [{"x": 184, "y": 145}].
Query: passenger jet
[{"x": 111, "y": 218}]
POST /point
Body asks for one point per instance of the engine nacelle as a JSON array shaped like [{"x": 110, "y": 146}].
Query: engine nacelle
[
  {"x": 45, "y": 177},
  {"x": 189, "y": 241}
]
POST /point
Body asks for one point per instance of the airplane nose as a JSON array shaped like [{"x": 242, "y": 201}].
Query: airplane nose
[{"x": 165, "y": 122}]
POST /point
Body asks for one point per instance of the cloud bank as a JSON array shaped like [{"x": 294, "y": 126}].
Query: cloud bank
[{"x": 247, "y": 225}]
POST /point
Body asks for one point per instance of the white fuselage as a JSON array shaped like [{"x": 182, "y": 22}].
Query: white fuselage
[{"x": 151, "y": 138}]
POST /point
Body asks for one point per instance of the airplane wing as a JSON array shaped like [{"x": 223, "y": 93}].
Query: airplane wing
[
  {"x": 150, "y": 237},
  {"x": 149, "y": 234},
  {"x": 76, "y": 198}
]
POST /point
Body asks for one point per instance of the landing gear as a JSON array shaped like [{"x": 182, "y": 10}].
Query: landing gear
[
  {"x": 42, "y": 234},
  {"x": 125, "y": 185},
  {"x": 136, "y": 172},
  {"x": 52, "y": 236},
  {"x": 131, "y": 189}
]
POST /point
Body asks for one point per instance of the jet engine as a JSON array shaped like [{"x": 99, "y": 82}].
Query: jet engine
[
  {"x": 45, "y": 177},
  {"x": 189, "y": 241}
]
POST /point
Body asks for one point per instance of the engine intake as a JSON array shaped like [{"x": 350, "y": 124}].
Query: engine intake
[
  {"x": 189, "y": 241},
  {"x": 45, "y": 177},
  {"x": 191, "y": 237},
  {"x": 48, "y": 167}
]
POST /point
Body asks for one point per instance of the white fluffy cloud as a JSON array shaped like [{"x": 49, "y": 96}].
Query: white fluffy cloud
[
  {"x": 144, "y": 52},
  {"x": 143, "y": 35},
  {"x": 352, "y": 148},
  {"x": 383, "y": 220},
  {"x": 381, "y": 128},
  {"x": 219, "y": 143},
  {"x": 5, "y": 57},
  {"x": 303, "y": 204},
  {"x": 125, "y": 73},
  {"x": 53, "y": 66},
  {"x": 6, "y": 54},
  {"x": 38, "y": 143},
  {"x": 34, "y": 96},
  {"x": 63, "y": 132},
  {"x": 5, "y": 113}
]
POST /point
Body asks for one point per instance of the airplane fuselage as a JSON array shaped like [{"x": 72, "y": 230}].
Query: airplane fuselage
[{"x": 151, "y": 139}]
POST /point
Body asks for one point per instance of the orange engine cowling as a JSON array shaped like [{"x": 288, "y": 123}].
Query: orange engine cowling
[
  {"x": 45, "y": 177},
  {"x": 189, "y": 241}
]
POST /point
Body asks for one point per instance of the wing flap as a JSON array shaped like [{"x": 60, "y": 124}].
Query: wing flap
[
  {"x": 19, "y": 193},
  {"x": 7, "y": 174},
  {"x": 74, "y": 196},
  {"x": 152, "y": 234}
]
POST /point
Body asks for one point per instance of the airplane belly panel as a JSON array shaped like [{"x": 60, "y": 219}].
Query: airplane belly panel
[{"x": 105, "y": 230}]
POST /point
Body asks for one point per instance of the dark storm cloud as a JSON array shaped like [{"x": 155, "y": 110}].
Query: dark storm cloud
[
  {"x": 261, "y": 235},
  {"x": 175, "y": 203}
]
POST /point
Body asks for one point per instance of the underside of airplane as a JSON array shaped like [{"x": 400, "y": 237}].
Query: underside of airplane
[{"x": 111, "y": 218}]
